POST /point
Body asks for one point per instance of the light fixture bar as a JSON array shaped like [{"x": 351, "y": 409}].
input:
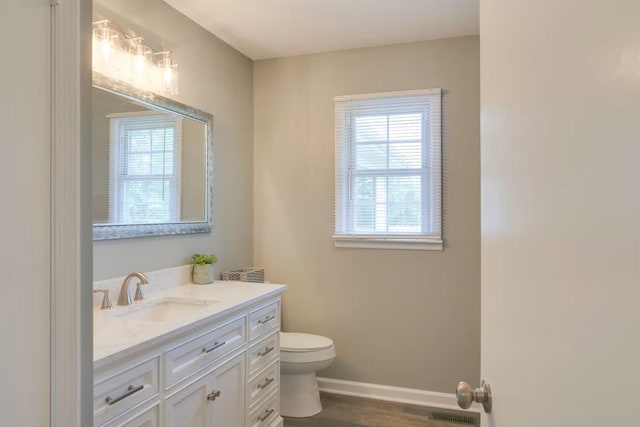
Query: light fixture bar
[{"x": 129, "y": 60}]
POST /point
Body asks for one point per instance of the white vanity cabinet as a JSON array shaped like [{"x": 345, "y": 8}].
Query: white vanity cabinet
[{"x": 221, "y": 372}]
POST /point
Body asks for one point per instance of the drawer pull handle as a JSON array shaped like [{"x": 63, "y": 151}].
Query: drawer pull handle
[
  {"x": 261, "y": 418},
  {"x": 266, "y": 320},
  {"x": 216, "y": 345},
  {"x": 266, "y": 383},
  {"x": 266, "y": 351},
  {"x": 213, "y": 395},
  {"x": 131, "y": 390}
]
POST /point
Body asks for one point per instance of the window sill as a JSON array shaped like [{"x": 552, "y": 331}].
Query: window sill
[{"x": 432, "y": 244}]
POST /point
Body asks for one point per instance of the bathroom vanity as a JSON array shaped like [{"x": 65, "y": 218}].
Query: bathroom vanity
[{"x": 190, "y": 356}]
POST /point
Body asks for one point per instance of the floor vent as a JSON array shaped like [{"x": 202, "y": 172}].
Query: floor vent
[{"x": 467, "y": 420}]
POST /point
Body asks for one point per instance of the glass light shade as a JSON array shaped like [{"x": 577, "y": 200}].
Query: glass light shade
[
  {"x": 105, "y": 47},
  {"x": 140, "y": 62},
  {"x": 171, "y": 79},
  {"x": 168, "y": 73}
]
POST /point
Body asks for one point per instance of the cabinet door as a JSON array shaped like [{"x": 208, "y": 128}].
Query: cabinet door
[
  {"x": 229, "y": 406},
  {"x": 191, "y": 406},
  {"x": 217, "y": 399}
]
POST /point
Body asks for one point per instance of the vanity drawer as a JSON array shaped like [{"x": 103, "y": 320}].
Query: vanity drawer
[
  {"x": 264, "y": 352},
  {"x": 122, "y": 391},
  {"x": 263, "y": 384},
  {"x": 193, "y": 355},
  {"x": 146, "y": 418},
  {"x": 264, "y": 319},
  {"x": 265, "y": 414}
]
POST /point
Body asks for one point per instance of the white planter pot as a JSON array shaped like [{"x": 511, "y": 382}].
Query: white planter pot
[{"x": 202, "y": 274}]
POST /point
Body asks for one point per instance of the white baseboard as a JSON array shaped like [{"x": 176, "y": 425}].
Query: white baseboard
[{"x": 393, "y": 394}]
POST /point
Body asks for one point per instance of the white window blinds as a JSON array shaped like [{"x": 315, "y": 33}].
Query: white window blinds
[
  {"x": 388, "y": 170},
  {"x": 144, "y": 177}
]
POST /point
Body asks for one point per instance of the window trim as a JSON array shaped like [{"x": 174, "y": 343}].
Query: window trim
[
  {"x": 427, "y": 243},
  {"x": 432, "y": 196}
]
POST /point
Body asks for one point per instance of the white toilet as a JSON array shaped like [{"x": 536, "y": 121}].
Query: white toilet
[{"x": 301, "y": 355}]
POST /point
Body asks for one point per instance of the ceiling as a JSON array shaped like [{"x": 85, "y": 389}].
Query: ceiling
[{"x": 273, "y": 28}]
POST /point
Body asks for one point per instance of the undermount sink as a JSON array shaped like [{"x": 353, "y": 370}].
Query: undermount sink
[{"x": 166, "y": 308}]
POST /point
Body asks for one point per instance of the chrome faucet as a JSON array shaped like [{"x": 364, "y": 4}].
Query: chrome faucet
[{"x": 124, "y": 298}]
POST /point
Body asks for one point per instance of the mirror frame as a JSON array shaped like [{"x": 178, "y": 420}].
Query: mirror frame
[{"x": 159, "y": 102}]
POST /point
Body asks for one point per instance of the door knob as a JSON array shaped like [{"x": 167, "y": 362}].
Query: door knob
[{"x": 467, "y": 395}]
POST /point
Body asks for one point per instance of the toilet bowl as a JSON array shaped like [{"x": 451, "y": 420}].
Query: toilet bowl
[{"x": 301, "y": 355}]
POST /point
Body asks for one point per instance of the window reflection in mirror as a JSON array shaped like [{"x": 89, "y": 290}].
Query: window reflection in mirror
[
  {"x": 149, "y": 166},
  {"x": 144, "y": 168}
]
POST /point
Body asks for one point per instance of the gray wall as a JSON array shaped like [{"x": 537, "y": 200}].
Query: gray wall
[
  {"x": 403, "y": 318},
  {"x": 215, "y": 78}
]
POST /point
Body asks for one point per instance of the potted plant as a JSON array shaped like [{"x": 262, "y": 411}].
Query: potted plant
[{"x": 203, "y": 268}]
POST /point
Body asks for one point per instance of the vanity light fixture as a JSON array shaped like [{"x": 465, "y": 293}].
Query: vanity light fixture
[{"x": 129, "y": 60}]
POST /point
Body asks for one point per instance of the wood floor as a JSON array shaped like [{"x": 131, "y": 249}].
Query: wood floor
[{"x": 346, "y": 411}]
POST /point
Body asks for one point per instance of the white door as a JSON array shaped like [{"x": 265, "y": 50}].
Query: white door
[
  {"x": 24, "y": 212},
  {"x": 560, "y": 83}
]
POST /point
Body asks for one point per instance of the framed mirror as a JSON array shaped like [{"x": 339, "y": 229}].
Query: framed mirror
[{"x": 152, "y": 164}]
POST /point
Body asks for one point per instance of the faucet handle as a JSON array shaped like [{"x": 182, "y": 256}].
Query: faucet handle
[
  {"x": 139, "y": 294},
  {"x": 106, "y": 299}
]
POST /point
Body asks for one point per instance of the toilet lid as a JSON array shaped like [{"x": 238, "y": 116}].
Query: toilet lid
[{"x": 294, "y": 341}]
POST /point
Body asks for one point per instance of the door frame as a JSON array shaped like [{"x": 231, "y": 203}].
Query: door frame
[{"x": 71, "y": 333}]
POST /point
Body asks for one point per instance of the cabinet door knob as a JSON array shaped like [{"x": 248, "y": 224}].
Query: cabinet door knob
[{"x": 213, "y": 395}]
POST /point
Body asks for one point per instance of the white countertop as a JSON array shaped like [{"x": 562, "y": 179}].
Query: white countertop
[{"x": 115, "y": 336}]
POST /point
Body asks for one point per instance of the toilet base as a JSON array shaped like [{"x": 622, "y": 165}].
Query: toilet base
[{"x": 299, "y": 395}]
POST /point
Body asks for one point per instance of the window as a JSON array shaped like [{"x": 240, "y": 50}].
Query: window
[
  {"x": 144, "y": 177},
  {"x": 388, "y": 163}
]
